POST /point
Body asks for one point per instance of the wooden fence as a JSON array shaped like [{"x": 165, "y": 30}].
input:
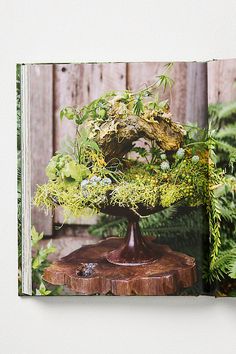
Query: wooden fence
[{"x": 54, "y": 86}]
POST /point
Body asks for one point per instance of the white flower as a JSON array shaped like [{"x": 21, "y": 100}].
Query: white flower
[
  {"x": 195, "y": 159},
  {"x": 165, "y": 165},
  {"x": 84, "y": 183},
  {"x": 95, "y": 179},
  {"x": 105, "y": 181},
  {"x": 180, "y": 153},
  {"x": 163, "y": 156},
  {"x": 85, "y": 194}
]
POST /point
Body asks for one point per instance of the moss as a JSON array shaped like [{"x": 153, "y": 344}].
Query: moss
[
  {"x": 75, "y": 200},
  {"x": 140, "y": 183}
]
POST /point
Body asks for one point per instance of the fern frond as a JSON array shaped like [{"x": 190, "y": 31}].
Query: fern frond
[
  {"x": 225, "y": 264},
  {"x": 232, "y": 265},
  {"x": 227, "y": 110},
  {"x": 226, "y": 147},
  {"x": 228, "y": 131}
]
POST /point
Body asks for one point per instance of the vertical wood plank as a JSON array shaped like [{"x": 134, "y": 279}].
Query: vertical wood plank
[
  {"x": 188, "y": 94},
  {"x": 41, "y": 135},
  {"x": 79, "y": 84},
  {"x": 196, "y": 95},
  {"x": 141, "y": 74},
  {"x": 178, "y": 99},
  {"x": 222, "y": 81}
]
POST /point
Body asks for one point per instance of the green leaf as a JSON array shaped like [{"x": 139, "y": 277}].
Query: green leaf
[
  {"x": 138, "y": 107},
  {"x": 50, "y": 248},
  {"x": 165, "y": 81},
  {"x": 51, "y": 170},
  {"x": 42, "y": 290},
  {"x": 36, "y": 263},
  {"x": 61, "y": 114},
  {"x": 232, "y": 267},
  {"x": 227, "y": 110},
  {"x": 163, "y": 104},
  {"x": 83, "y": 133},
  {"x": 35, "y": 236},
  {"x": 76, "y": 171},
  {"x": 101, "y": 112},
  {"x": 42, "y": 254},
  {"x": 227, "y": 132},
  {"x": 94, "y": 145},
  {"x": 140, "y": 150},
  {"x": 69, "y": 113}
]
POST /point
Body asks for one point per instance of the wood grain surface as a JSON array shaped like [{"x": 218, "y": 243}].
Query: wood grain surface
[
  {"x": 86, "y": 271},
  {"x": 221, "y": 81},
  {"x": 78, "y": 85},
  {"x": 41, "y": 135},
  {"x": 188, "y": 96}
]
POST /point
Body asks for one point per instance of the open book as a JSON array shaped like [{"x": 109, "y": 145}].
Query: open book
[{"x": 126, "y": 178}]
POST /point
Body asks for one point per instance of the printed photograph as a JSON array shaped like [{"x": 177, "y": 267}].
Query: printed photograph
[{"x": 131, "y": 169}]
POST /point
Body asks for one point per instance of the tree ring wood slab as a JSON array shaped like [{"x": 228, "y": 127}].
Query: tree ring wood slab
[{"x": 87, "y": 272}]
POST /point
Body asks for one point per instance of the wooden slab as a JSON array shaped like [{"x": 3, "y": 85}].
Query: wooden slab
[{"x": 86, "y": 271}]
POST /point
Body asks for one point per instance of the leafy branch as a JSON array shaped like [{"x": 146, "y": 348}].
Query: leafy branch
[{"x": 39, "y": 263}]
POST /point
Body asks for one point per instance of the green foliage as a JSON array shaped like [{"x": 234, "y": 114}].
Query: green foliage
[
  {"x": 133, "y": 182},
  {"x": 75, "y": 200},
  {"x": 97, "y": 110},
  {"x": 138, "y": 106},
  {"x": 223, "y": 130},
  {"x": 214, "y": 214},
  {"x": 84, "y": 146},
  {"x": 42, "y": 290},
  {"x": 220, "y": 204},
  {"x": 165, "y": 81},
  {"x": 35, "y": 237},
  {"x": 232, "y": 264},
  {"x": 199, "y": 173},
  {"x": 225, "y": 264},
  {"x": 121, "y": 104},
  {"x": 65, "y": 167},
  {"x": 222, "y": 125},
  {"x": 222, "y": 153},
  {"x": 39, "y": 263},
  {"x": 186, "y": 183}
]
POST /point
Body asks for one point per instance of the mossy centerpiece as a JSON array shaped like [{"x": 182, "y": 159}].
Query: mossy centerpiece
[{"x": 130, "y": 159}]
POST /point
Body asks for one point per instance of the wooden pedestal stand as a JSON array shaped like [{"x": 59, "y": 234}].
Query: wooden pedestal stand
[
  {"x": 134, "y": 265},
  {"x": 87, "y": 271}
]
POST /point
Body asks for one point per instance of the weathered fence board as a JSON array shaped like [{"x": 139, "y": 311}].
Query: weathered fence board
[
  {"x": 222, "y": 81},
  {"x": 78, "y": 85},
  {"x": 41, "y": 135},
  {"x": 196, "y": 93},
  {"x": 142, "y": 74},
  {"x": 188, "y": 94}
]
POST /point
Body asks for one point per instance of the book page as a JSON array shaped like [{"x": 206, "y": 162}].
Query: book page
[{"x": 126, "y": 182}]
